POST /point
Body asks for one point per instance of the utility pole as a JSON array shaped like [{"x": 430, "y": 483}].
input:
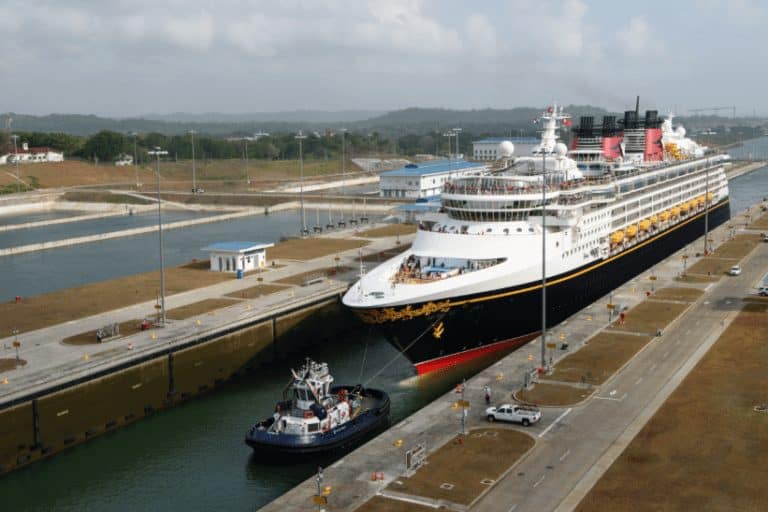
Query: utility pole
[
  {"x": 16, "y": 159},
  {"x": 158, "y": 152},
  {"x": 706, "y": 211},
  {"x": 543, "y": 258},
  {"x": 135, "y": 159},
  {"x": 300, "y": 137},
  {"x": 247, "y": 171},
  {"x": 194, "y": 174}
]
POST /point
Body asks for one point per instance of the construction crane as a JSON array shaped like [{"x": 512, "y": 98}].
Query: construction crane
[{"x": 713, "y": 109}]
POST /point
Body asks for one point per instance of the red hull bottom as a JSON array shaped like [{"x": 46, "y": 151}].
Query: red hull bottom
[{"x": 448, "y": 361}]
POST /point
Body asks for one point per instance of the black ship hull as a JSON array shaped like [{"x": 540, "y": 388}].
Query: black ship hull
[
  {"x": 372, "y": 420},
  {"x": 446, "y": 333}
]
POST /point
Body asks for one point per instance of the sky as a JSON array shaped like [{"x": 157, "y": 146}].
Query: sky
[{"x": 125, "y": 58}]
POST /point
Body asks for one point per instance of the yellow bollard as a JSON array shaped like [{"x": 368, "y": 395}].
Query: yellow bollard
[
  {"x": 154, "y": 336},
  {"x": 198, "y": 322},
  {"x": 398, "y": 443},
  {"x": 86, "y": 357},
  {"x": 5, "y": 380},
  {"x": 499, "y": 377}
]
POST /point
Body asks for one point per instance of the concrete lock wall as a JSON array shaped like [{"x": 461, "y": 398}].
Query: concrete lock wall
[
  {"x": 88, "y": 409},
  {"x": 198, "y": 368},
  {"x": 16, "y": 436}
]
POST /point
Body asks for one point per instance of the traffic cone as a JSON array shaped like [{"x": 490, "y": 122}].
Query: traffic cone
[
  {"x": 130, "y": 346},
  {"x": 381, "y": 476},
  {"x": 373, "y": 477}
]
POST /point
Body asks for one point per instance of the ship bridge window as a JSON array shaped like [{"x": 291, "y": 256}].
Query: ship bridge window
[{"x": 313, "y": 427}]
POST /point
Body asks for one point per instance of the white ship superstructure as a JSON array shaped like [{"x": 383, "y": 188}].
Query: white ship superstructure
[{"x": 600, "y": 202}]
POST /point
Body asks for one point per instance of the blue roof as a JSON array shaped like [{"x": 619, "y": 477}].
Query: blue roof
[
  {"x": 514, "y": 140},
  {"x": 433, "y": 167},
  {"x": 237, "y": 246}
]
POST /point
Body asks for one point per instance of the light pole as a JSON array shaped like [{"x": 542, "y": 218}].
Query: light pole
[
  {"x": 456, "y": 131},
  {"x": 135, "y": 159},
  {"x": 158, "y": 152},
  {"x": 300, "y": 137},
  {"x": 16, "y": 159},
  {"x": 543, "y": 258},
  {"x": 194, "y": 174},
  {"x": 16, "y": 343},
  {"x": 343, "y": 158},
  {"x": 247, "y": 171},
  {"x": 706, "y": 211}
]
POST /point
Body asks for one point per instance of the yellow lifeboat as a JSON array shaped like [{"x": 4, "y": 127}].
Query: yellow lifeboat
[
  {"x": 645, "y": 225},
  {"x": 709, "y": 197},
  {"x": 693, "y": 204},
  {"x": 675, "y": 212},
  {"x": 617, "y": 237},
  {"x": 654, "y": 219},
  {"x": 664, "y": 216},
  {"x": 684, "y": 208},
  {"x": 700, "y": 200},
  {"x": 631, "y": 231}
]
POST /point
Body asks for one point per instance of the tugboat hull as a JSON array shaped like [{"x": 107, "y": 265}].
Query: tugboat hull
[{"x": 373, "y": 418}]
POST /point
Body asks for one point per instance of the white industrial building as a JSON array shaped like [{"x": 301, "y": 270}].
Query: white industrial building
[
  {"x": 32, "y": 155},
  {"x": 237, "y": 256},
  {"x": 425, "y": 179},
  {"x": 488, "y": 149}
]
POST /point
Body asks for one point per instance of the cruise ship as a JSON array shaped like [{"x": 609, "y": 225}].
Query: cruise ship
[{"x": 627, "y": 194}]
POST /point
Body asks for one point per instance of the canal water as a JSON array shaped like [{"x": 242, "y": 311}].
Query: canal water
[
  {"x": 193, "y": 457},
  {"x": 40, "y": 272},
  {"x": 94, "y": 226}
]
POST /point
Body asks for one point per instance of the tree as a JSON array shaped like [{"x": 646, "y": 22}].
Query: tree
[{"x": 105, "y": 145}]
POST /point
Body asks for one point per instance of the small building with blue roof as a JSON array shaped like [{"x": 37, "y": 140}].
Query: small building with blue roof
[
  {"x": 238, "y": 257},
  {"x": 424, "y": 179}
]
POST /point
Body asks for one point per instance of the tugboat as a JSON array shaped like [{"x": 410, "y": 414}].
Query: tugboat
[{"x": 315, "y": 418}]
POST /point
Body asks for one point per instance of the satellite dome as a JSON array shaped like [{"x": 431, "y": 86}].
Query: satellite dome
[
  {"x": 561, "y": 149},
  {"x": 506, "y": 148}
]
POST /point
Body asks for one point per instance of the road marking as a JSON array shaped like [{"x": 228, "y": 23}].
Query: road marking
[
  {"x": 653, "y": 367},
  {"x": 638, "y": 381},
  {"x": 562, "y": 457},
  {"x": 512, "y": 508},
  {"x": 555, "y": 422},
  {"x": 612, "y": 392},
  {"x": 612, "y": 398},
  {"x": 538, "y": 482}
]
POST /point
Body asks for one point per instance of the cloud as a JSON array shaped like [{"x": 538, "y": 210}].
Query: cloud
[
  {"x": 195, "y": 32},
  {"x": 637, "y": 39}
]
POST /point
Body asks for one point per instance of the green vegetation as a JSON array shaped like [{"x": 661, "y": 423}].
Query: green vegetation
[{"x": 103, "y": 197}]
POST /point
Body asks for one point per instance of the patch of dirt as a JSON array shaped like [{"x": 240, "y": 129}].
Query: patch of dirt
[
  {"x": 683, "y": 294},
  {"x": 712, "y": 266},
  {"x": 485, "y": 453},
  {"x": 382, "y": 504},
  {"x": 256, "y": 291},
  {"x": 321, "y": 273},
  {"x": 379, "y": 257},
  {"x": 199, "y": 308},
  {"x": 74, "y": 172},
  {"x": 595, "y": 362},
  {"x": 740, "y": 246},
  {"x": 390, "y": 230},
  {"x": 548, "y": 394},
  {"x": 705, "y": 448},
  {"x": 695, "y": 278},
  {"x": 63, "y": 305},
  {"x": 310, "y": 248},
  {"x": 10, "y": 363},
  {"x": 648, "y": 316},
  {"x": 761, "y": 222}
]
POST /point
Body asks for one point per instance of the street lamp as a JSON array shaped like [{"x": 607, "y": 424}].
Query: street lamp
[
  {"x": 158, "y": 153},
  {"x": 16, "y": 159},
  {"x": 543, "y": 257},
  {"x": 194, "y": 174},
  {"x": 247, "y": 171},
  {"x": 300, "y": 137},
  {"x": 16, "y": 343},
  {"x": 135, "y": 159}
]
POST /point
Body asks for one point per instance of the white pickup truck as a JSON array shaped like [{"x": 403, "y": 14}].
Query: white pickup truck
[{"x": 525, "y": 414}]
